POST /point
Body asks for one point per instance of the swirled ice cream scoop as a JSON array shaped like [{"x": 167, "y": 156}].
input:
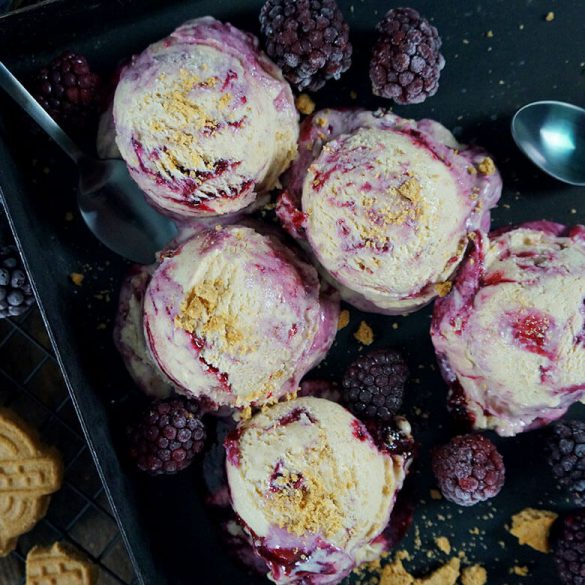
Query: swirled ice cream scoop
[
  {"x": 510, "y": 337},
  {"x": 312, "y": 489},
  {"x": 204, "y": 120},
  {"x": 235, "y": 316},
  {"x": 386, "y": 205}
]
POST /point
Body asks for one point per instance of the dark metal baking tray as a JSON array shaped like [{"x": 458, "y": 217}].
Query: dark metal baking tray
[{"x": 488, "y": 76}]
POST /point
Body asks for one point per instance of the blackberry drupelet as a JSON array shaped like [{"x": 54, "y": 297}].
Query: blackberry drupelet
[
  {"x": 16, "y": 294},
  {"x": 69, "y": 91},
  {"x": 168, "y": 437},
  {"x": 406, "y": 63},
  {"x": 373, "y": 385},
  {"x": 308, "y": 39},
  {"x": 569, "y": 549},
  {"x": 566, "y": 456},
  {"x": 469, "y": 469}
]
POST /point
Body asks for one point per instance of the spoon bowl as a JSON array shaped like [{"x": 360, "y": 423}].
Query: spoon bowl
[
  {"x": 111, "y": 203},
  {"x": 552, "y": 135}
]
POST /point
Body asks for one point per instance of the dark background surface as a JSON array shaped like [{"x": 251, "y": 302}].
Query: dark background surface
[{"x": 485, "y": 80}]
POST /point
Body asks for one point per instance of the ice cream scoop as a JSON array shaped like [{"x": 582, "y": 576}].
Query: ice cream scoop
[
  {"x": 204, "y": 120},
  {"x": 312, "y": 489},
  {"x": 510, "y": 337},
  {"x": 237, "y": 317},
  {"x": 386, "y": 205}
]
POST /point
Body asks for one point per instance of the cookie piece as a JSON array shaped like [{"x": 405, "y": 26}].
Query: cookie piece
[
  {"x": 29, "y": 473},
  {"x": 59, "y": 564}
]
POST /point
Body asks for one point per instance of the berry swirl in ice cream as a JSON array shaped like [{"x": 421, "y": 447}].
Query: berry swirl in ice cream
[
  {"x": 235, "y": 316},
  {"x": 204, "y": 120},
  {"x": 510, "y": 337},
  {"x": 386, "y": 205},
  {"x": 312, "y": 489}
]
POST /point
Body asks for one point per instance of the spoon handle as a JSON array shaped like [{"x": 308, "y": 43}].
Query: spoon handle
[{"x": 25, "y": 100}]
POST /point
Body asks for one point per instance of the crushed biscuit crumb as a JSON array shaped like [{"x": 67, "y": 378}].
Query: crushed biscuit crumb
[
  {"x": 520, "y": 571},
  {"x": 489, "y": 34},
  {"x": 304, "y": 104},
  {"x": 532, "y": 527},
  {"x": 446, "y": 575},
  {"x": 443, "y": 544},
  {"x": 474, "y": 575},
  {"x": 436, "y": 495},
  {"x": 364, "y": 334},
  {"x": 550, "y": 16},
  {"x": 77, "y": 278},
  {"x": 486, "y": 166},
  {"x": 343, "y": 320},
  {"x": 443, "y": 288}
]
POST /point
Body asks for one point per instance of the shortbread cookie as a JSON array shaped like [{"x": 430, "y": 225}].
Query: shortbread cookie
[
  {"x": 59, "y": 564},
  {"x": 29, "y": 473}
]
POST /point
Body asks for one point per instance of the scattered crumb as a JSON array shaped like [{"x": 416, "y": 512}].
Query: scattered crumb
[
  {"x": 520, "y": 571},
  {"x": 443, "y": 288},
  {"x": 218, "y": 228},
  {"x": 244, "y": 414},
  {"x": 521, "y": 26},
  {"x": 77, "y": 278},
  {"x": 305, "y": 105},
  {"x": 443, "y": 544},
  {"x": 486, "y": 166},
  {"x": 364, "y": 334},
  {"x": 489, "y": 34},
  {"x": 395, "y": 326},
  {"x": 101, "y": 326},
  {"x": 396, "y": 574},
  {"x": 343, "y": 320},
  {"x": 550, "y": 16},
  {"x": 466, "y": 41},
  {"x": 353, "y": 94},
  {"x": 69, "y": 216},
  {"x": 573, "y": 211},
  {"x": 445, "y": 575},
  {"x": 475, "y": 575},
  {"x": 531, "y": 527},
  {"x": 506, "y": 205},
  {"x": 475, "y": 531}
]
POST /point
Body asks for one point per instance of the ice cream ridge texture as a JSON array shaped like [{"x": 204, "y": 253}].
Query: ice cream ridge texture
[
  {"x": 510, "y": 337},
  {"x": 234, "y": 316},
  {"x": 204, "y": 120},
  {"x": 311, "y": 488},
  {"x": 385, "y": 205}
]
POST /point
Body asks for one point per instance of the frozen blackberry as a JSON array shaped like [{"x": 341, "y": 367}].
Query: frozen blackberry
[
  {"x": 406, "y": 63},
  {"x": 566, "y": 456},
  {"x": 569, "y": 549},
  {"x": 469, "y": 469},
  {"x": 168, "y": 437},
  {"x": 308, "y": 39},
  {"x": 16, "y": 294},
  {"x": 373, "y": 385},
  {"x": 69, "y": 91}
]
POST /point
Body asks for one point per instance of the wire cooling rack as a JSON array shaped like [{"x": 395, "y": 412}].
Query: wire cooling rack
[{"x": 32, "y": 385}]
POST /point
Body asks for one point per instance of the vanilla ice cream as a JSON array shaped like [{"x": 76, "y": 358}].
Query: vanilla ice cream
[
  {"x": 129, "y": 329},
  {"x": 510, "y": 337},
  {"x": 129, "y": 335},
  {"x": 386, "y": 205},
  {"x": 312, "y": 489},
  {"x": 204, "y": 120},
  {"x": 235, "y": 316}
]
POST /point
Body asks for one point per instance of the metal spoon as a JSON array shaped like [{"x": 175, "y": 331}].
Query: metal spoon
[
  {"x": 552, "y": 135},
  {"x": 111, "y": 203}
]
